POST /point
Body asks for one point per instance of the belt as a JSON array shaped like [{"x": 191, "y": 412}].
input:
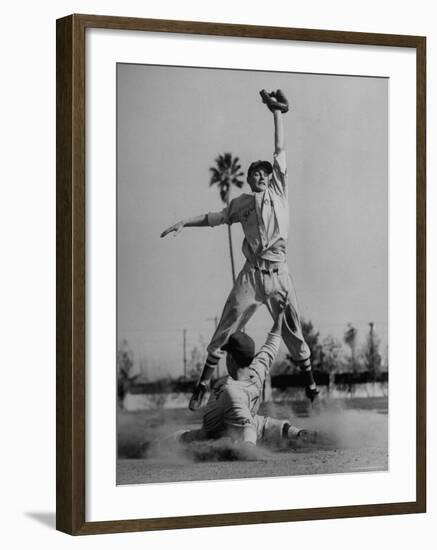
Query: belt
[{"x": 266, "y": 271}]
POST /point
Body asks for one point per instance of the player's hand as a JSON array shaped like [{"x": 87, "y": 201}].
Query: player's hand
[
  {"x": 275, "y": 101},
  {"x": 282, "y": 304},
  {"x": 176, "y": 229}
]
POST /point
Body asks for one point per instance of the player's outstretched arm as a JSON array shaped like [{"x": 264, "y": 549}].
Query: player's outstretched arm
[{"x": 197, "y": 221}]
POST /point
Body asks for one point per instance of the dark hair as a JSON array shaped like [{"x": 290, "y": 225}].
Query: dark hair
[
  {"x": 259, "y": 165},
  {"x": 242, "y": 348}
]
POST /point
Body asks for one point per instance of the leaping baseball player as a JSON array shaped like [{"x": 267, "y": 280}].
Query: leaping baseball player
[{"x": 264, "y": 216}]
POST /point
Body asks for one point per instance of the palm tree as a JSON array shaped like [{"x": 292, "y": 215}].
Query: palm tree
[{"x": 226, "y": 173}]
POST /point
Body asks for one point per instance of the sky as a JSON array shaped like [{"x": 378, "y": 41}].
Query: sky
[{"x": 172, "y": 122}]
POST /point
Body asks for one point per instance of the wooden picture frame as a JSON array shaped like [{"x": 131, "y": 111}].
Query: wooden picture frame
[{"x": 71, "y": 284}]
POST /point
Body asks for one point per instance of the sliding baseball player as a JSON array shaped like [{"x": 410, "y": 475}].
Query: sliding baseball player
[{"x": 232, "y": 408}]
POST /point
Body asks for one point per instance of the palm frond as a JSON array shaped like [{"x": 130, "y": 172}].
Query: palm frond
[
  {"x": 237, "y": 181},
  {"x": 228, "y": 159},
  {"x": 225, "y": 173},
  {"x": 215, "y": 176},
  {"x": 236, "y": 164}
]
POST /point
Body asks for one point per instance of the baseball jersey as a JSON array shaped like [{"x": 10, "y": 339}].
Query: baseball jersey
[
  {"x": 233, "y": 404},
  {"x": 262, "y": 241}
]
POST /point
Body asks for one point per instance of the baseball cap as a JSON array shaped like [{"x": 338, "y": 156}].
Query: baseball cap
[
  {"x": 242, "y": 348},
  {"x": 260, "y": 164}
]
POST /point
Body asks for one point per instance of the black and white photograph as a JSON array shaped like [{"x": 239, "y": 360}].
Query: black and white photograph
[
  {"x": 252, "y": 274},
  {"x": 219, "y": 252}
]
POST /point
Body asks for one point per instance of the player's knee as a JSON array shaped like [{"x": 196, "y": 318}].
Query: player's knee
[{"x": 303, "y": 364}]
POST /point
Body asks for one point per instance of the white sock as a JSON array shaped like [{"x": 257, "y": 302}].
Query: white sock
[{"x": 292, "y": 432}]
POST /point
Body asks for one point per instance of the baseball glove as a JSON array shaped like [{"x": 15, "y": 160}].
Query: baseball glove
[{"x": 275, "y": 101}]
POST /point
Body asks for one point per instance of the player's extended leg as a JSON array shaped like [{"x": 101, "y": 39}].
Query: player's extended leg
[
  {"x": 274, "y": 431},
  {"x": 241, "y": 304},
  {"x": 292, "y": 329}
]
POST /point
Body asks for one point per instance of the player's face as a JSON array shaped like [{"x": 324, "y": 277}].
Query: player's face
[{"x": 259, "y": 180}]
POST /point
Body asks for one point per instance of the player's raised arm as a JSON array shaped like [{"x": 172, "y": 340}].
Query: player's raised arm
[
  {"x": 277, "y": 103},
  {"x": 269, "y": 351},
  {"x": 277, "y": 324},
  {"x": 279, "y": 131}
]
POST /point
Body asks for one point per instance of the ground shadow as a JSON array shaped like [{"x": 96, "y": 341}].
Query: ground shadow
[{"x": 46, "y": 518}]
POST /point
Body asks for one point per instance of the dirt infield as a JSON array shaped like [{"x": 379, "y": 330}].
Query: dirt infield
[{"x": 356, "y": 440}]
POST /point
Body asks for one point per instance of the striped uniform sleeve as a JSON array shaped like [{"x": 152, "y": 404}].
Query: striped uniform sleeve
[
  {"x": 217, "y": 218},
  {"x": 265, "y": 357},
  {"x": 228, "y": 215}
]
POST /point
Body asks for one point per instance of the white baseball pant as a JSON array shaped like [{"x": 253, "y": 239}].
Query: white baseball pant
[{"x": 254, "y": 287}]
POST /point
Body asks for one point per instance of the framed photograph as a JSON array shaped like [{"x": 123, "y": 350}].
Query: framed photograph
[{"x": 240, "y": 274}]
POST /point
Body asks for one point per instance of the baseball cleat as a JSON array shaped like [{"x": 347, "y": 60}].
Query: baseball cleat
[
  {"x": 197, "y": 397},
  {"x": 311, "y": 393},
  {"x": 307, "y": 436}
]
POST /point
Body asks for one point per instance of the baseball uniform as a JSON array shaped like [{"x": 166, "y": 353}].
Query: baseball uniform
[
  {"x": 264, "y": 278},
  {"x": 233, "y": 405}
]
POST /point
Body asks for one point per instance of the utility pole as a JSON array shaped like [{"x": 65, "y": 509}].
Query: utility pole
[
  {"x": 372, "y": 349},
  {"x": 185, "y": 353}
]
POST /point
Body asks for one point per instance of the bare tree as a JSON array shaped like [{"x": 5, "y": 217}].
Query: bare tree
[
  {"x": 125, "y": 364},
  {"x": 332, "y": 353},
  {"x": 350, "y": 338},
  {"x": 371, "y": 353},
  {"x": 196, "y": 360},
  {"x": 226, "y": 173}
]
